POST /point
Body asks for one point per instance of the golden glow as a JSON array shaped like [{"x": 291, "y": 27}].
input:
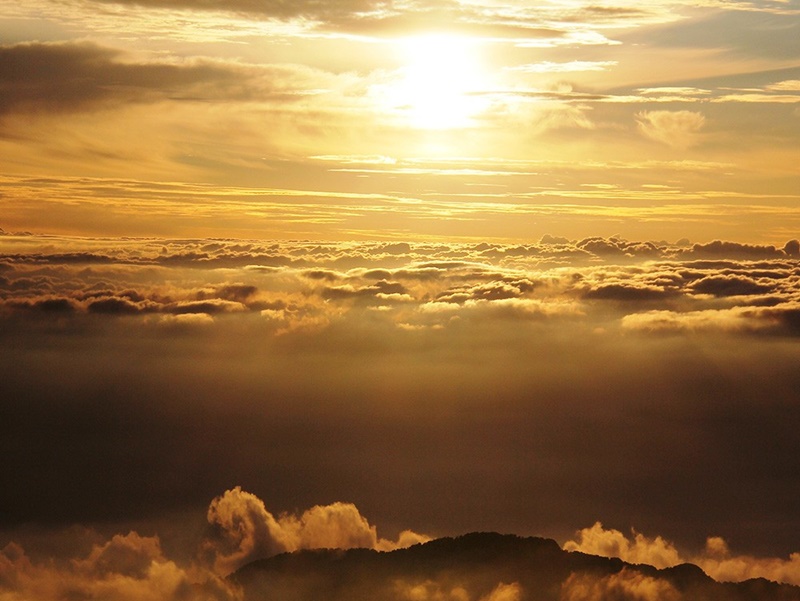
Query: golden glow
[{"x": 440, "y": 82}]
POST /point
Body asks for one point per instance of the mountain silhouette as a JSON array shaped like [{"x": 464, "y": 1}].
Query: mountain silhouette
[{"x": 485, "y": 567}]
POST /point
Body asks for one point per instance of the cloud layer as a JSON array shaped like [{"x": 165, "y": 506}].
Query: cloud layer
[
  {"x": 722, "y": 287},
  {"x": 562, "y": 375}
]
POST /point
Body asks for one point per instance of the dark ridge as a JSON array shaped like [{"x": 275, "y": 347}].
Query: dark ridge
[
  {"x": 686, "y": 575},
  {"x": 477, "y": 562}
]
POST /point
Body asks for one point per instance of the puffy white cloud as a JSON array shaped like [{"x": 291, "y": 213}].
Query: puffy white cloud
[
  {"x": 334, "y": 526},
  {"x": 242, "y": 530},
  {"x": 597, "y": 540}
]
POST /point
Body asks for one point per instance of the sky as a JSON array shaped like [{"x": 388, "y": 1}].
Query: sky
[{"x": 281, "y": 275}]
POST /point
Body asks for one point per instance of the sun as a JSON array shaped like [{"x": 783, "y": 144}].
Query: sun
[{"x": 440, "y": 82}]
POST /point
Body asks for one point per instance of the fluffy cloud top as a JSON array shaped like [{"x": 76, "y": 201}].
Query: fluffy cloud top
[
  {"x": 295, "y": 288},
  {"x": 242, "y": 530},
  {"x": 613, "y": 543}
]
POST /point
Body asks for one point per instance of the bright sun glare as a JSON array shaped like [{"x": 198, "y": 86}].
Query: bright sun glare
[{"x": 438, "y": 84}]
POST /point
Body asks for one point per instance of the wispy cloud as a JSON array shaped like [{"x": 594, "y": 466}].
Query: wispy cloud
[
  {"x": 679, "y": 129},
  {"x": 568, "y": 67}
]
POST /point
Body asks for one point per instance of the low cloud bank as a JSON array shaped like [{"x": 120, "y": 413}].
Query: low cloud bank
[
  {"x": 716, "y": 559},
  {"x": 126, "y": 568},
  {"x": 241, "y": 530}
]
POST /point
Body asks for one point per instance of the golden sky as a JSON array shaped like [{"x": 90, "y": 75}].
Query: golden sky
[
  {"x": 372, "y": 119},
  {"x": 285, "y": 275}
]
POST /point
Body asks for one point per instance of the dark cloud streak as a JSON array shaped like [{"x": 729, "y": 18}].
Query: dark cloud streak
[
  {"x": 277, "y": 9},
  {"x": 45, "y": 78}
]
